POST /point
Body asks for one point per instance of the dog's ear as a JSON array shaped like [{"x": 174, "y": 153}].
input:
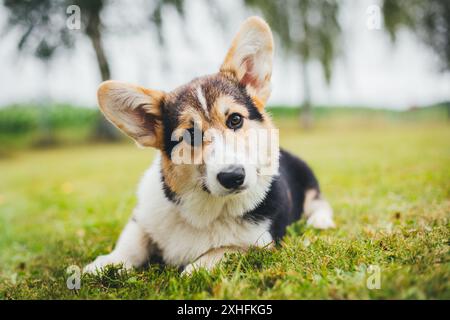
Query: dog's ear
[
  {"x": 250, "y": 57},
  {"x": 134, "y": 110}
]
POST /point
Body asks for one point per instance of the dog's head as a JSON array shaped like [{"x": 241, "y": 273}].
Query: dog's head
[{"x": 211, "y": 129}]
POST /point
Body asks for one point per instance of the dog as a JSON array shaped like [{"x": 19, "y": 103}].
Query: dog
[{"x": 190, "y": 215}]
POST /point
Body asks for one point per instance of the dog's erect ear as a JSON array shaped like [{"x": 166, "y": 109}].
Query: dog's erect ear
[
  {"x": 134, "y": 110},
  {"x": 250, "y": 57}
]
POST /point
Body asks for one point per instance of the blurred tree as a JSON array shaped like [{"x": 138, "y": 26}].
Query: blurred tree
[
  {"x": 157, "y": 12},
  {"x": 428, "y": 19},
  {"x": 44, "y": 30},
  {"x": 308, "y": 29}
]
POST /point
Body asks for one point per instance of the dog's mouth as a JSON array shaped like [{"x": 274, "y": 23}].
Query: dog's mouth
[
  {"x": 236, "y": 191},
  {"x": 232, "y": 192}
]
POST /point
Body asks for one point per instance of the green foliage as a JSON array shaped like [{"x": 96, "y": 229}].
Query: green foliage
[
  {"x": 387, "y": 179},
  {"x": 24, "y": 126},
  {"x": 428, "y": 19},
  {"x": 22, "y": 119},
  {"x": 18, "y": 120}
]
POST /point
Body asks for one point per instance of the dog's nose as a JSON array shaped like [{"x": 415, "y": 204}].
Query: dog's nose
[{"x": 232, "y": 177}]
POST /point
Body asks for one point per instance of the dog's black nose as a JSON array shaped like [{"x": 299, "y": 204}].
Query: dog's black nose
[{"x": 232, "y": 178}]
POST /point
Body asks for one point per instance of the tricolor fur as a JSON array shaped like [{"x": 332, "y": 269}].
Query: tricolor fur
[{"x": 191, "y": 214}]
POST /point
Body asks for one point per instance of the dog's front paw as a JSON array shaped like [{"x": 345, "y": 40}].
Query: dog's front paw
[
  {"x": 190, "y": 269},
  {"x": 101, "y": 262}
]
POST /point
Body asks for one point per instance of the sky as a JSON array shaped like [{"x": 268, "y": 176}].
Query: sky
[{"x": 371, "y": 72}]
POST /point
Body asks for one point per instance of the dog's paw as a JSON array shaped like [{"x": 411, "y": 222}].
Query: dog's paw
[
  {"x": 189, "y": 269},
  {"x": 321, "y": 219},
  {"x": 101, "y": 262},
  {"x": 198, "y": 265}
]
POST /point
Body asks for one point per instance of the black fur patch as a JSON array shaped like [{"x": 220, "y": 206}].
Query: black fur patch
[
  {"x": 168, "y": 192},
  {"x": 170, "y": 123},
  {"x": 254, "y": 113},
  {"x": 283, "y": 203}
]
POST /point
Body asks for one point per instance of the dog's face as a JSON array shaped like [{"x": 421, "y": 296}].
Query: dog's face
[{"x": 209, "y": 130}]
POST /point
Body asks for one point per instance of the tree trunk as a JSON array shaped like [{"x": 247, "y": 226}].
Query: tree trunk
[
  {"x": 46, "y": 135},
  {"x": 93, "y": 32},
  {"x": 103, "y": 129},
  {"x": 306, "y": 118}
]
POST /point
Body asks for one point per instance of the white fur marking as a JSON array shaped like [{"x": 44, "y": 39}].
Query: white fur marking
[{"x": 201, "y": 99}]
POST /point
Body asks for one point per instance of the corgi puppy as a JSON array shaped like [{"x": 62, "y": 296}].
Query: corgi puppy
[{"x": 201, "y": 198}]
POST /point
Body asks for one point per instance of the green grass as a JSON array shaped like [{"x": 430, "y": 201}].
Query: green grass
[{"x": 388, "y": 181}]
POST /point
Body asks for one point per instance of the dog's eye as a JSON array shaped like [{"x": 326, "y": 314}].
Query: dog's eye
[{"x": 235, "y": 121}]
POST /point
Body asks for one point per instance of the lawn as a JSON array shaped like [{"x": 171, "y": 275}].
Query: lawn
[{"x": 388, "y": 181}]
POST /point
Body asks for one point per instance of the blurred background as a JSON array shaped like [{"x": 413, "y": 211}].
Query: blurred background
[{"x": 348, "y": 57}]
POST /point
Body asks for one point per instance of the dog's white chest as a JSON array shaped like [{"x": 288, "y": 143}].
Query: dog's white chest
[{"x": 180, "y": 241}]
